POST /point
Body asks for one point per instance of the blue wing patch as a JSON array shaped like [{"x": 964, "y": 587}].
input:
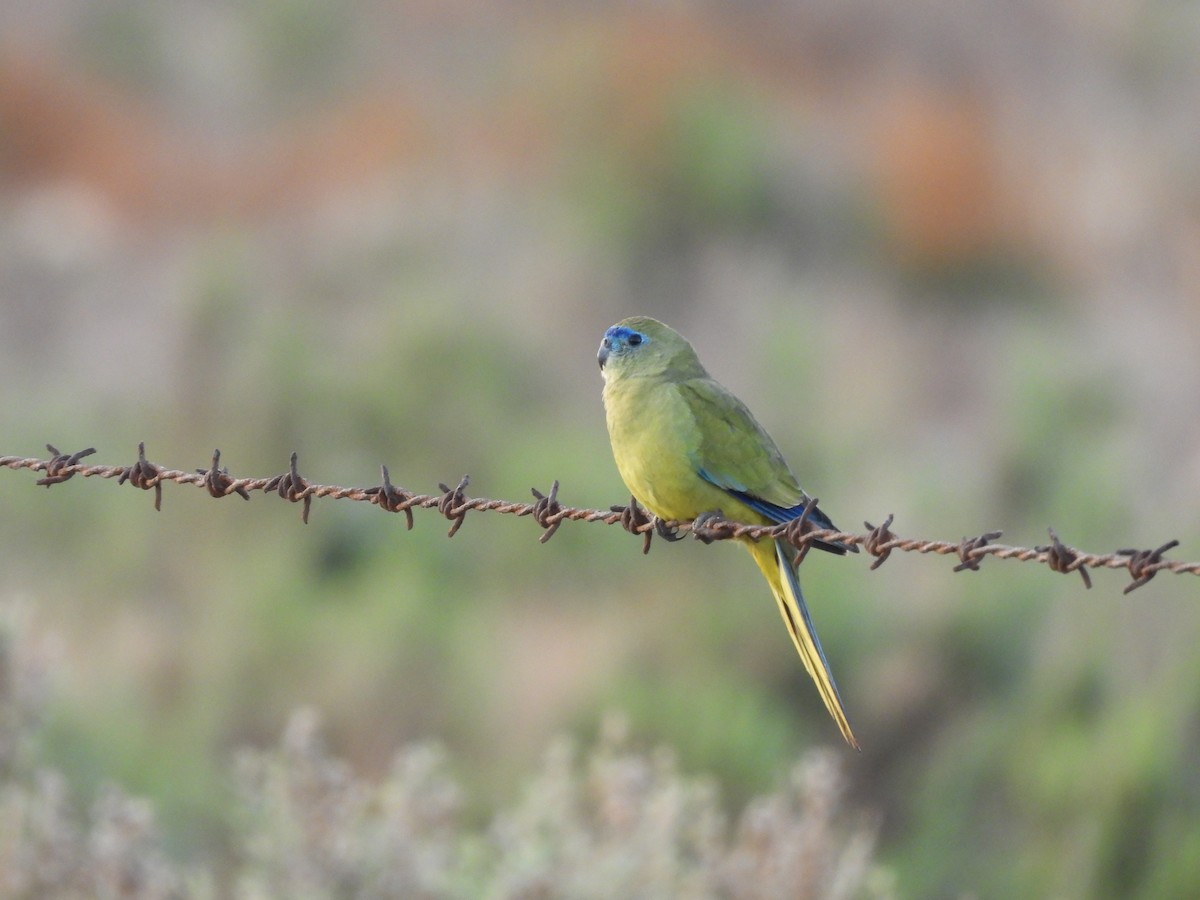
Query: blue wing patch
[{"x": 781, "y": 514}]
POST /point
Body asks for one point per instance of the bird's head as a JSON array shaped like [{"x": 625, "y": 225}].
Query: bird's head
[{"x": 642, "y": 346}]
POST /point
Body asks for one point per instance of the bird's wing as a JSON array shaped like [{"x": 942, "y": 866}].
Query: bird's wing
[{"x": 737, "y": 455}]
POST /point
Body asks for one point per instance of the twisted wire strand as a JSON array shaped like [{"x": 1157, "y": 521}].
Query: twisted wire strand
[{"x": 454, "y": 504}]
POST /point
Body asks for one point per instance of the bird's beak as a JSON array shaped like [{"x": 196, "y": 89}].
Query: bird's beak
[{"x": 602, "y": 356}]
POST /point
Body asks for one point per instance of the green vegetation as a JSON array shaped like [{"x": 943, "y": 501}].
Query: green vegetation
[{"x": 396, "y": 238}]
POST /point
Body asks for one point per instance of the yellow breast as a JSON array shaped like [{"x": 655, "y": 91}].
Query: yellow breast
[{"x": 654, "y": 439}]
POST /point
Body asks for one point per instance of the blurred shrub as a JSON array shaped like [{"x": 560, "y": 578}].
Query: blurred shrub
[{"x": 619, "y": 823}]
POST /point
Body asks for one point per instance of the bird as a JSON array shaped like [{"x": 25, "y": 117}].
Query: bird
[{"x": 686, "y": 448}]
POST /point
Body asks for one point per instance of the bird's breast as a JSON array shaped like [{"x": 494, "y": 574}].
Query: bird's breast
[{"x": 654, "y": 441}]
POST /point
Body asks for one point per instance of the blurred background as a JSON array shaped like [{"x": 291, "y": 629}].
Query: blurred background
[{"x": 949, "y": 253}]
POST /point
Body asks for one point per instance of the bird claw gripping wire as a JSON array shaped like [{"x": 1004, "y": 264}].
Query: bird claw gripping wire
[
  {"x": 666, "y": 531},
  {"x": 291, "y": 486},
  {"x": 547, "y": 511},
  {"x": 1143, "y": 564},
  {"x": 706, "y": 526},
  {"x": 393, "y": 499},
  {"x": 453, "y": 504},
  {"x": 878, "y": 541},
  {"x": 144, "y": 474},
  {"x": 217, "y": 480},
  {"x": 60, "y": 461},
  {"x": 635, "y": 521},
  {"x": 1061, "y": 558},
  {"x": 967, "y": 550}
]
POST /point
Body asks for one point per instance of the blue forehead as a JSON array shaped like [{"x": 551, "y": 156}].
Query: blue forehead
[{"x": 620, "y": 333}]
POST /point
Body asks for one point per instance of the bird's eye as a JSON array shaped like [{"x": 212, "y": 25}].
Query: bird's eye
[{"x": 635, "y": 339}]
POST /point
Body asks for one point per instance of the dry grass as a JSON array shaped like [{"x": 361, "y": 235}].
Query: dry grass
[{"x": 613, "y": 821}]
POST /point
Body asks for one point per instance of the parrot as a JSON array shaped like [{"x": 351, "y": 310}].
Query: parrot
[{"x": 686, "y": 447}]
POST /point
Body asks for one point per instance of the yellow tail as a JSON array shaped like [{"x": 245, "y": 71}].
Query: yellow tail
[{"x": 775, "y": 562}]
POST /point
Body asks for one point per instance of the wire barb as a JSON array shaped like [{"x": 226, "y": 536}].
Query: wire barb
[
  {"x": 549, "y": 513},
  {"x": 879, "y": 541},
  {"x": 971, "y": 551},
  {"x": 453, "y": 505},
  {"x": 1061, "y": 558},
  {"x": 144, "y": 474},
  {"x": 798, "y": 532},
  {"x": 217, "y": 481},
  {"x": 57, "y": 468},
  {"x": 393, "y": 499},
  {"x": 291, "y": 486},
  {"x": 634, "y": 520},
  {"x": 1144, "y": 564}
]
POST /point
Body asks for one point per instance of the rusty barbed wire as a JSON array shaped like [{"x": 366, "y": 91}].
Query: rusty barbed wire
[{"x": 453, "y": 504}]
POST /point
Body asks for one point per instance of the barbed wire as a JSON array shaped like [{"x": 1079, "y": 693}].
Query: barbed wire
[{"x": 453, "y": 503}]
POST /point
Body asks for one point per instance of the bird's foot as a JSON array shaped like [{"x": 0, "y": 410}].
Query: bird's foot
[
  {"x": 667, "y": 532},
  {"x": 702, "y": 526}
]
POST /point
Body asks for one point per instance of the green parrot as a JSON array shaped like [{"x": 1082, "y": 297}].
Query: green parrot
[{"x": 685, "y": 446}]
